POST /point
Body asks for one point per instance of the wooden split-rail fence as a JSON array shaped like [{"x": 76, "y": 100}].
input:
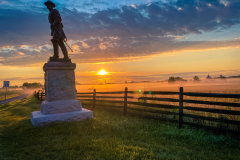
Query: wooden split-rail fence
[{"x": 180, "y": 111}]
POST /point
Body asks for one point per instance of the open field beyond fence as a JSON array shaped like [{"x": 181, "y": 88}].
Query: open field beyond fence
[{"x": 214, "y": 111}]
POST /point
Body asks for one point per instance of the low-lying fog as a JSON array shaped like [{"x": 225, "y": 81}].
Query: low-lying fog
[{"x": 231, "y": 85}]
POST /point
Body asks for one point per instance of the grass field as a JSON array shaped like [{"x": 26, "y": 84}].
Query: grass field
[
  {"x": 10, "y": 94},
  {"x": 108, "y": 135}
]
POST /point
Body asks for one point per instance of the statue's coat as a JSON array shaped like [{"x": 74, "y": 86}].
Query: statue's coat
[{"x": 55, "y": 20}]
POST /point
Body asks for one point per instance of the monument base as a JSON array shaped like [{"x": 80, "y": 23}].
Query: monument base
[
  {"x": 39, "y": 119},
  {"x": 60, "y": 106}
]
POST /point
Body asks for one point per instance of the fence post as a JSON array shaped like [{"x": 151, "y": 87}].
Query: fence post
[
  {"x": 37, "y": 96},
  {"x": 180, "y": 107},
  {"x": 94, "y": 98},
  {"x": 125, "y": 101},
  {"x": 42, "y": 96}
]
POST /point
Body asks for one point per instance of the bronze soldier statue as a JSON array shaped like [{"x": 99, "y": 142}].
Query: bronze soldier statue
[{"x": 57, "y": 32}]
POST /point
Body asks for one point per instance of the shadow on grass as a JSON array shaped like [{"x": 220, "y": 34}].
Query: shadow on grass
[{"x": 107, "y": 136}]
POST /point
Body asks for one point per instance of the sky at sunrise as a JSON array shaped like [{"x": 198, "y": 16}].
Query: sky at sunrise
[{"x": 132, "y": 40}]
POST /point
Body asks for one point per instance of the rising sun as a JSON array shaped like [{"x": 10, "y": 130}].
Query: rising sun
[{"x": 102, "y": 72}]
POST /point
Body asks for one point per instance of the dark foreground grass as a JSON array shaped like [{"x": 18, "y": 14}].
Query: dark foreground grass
[{"x": 106, "y": 136}]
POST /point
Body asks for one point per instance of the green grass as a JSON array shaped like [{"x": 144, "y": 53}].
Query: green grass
[
  {"x": 10, "y": 94},
  {"x": 108, "y": 135}
]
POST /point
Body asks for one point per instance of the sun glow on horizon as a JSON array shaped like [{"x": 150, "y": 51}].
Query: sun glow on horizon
[{"x": 102, "y": 72}]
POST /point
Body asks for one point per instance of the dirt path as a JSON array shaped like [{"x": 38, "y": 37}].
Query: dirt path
[{"x": 24, "y": 95}]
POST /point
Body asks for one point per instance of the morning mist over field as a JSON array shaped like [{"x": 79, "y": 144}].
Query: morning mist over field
[{"x": 134, "y": 40}]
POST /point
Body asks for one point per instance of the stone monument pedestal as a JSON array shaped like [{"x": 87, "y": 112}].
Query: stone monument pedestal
[{"x": 61, "y": 102}]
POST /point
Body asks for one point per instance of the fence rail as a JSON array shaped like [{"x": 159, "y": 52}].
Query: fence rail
[
  {"x": 213, "y": 103},
  {"x": 217, "y": 95},
  {"x": 160, "y": 99},
  {"x": 132, "y": 106},
  {"x": 213, "y": 110}
]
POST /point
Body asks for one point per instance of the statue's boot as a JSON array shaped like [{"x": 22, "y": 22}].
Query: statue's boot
[
  {"x": 55, "y": 48},
  {"x": 63, "y": 48}
]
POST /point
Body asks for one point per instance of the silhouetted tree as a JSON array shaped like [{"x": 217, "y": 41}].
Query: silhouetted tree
[
  {"x": 171, "y": 79},
  {"x": 32, "y": 85},
  {"x": 77, "y": 83},
  {"x": 16, "y": 86},
  {"x": 196, "y": 78},
  {"x": 223, "y": 77}
]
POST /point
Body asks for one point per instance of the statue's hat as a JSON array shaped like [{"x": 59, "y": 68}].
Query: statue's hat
[{"x": 49, "y": 2}]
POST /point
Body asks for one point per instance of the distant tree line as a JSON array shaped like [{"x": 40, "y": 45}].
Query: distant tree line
[
  {"x": 222, "y": 77},
  {"x": 16, "y": 86},
  {"x": 77, "y": 83},
  {"x": 173, "y": 79},
  {"x": 32, "y": 85},
  {"x": 196, "y": 78}
]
